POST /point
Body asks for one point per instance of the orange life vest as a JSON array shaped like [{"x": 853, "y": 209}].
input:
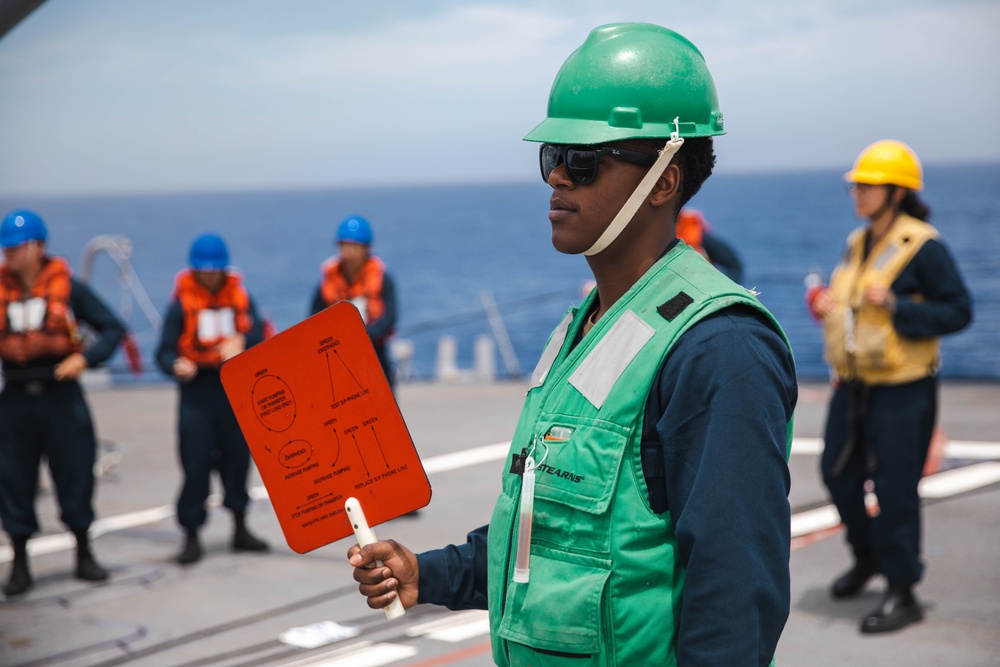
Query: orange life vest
[
  {"x": 38, "y": 322},
  {"x": 198, "y": 342},
  {"x": 690, "y": 228},
  {"x": 367, "y": 286}
]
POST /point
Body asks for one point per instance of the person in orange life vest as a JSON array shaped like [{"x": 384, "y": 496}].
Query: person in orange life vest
[
  {"x": 211, "y": 318},
  {"x": 360, "y": 277},
  {"x": 693, "y": 229},
  {"x": 42, "y": 407},
  {"x": 895, "y": 292}
]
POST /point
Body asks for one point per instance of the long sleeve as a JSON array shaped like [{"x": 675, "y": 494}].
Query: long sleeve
[
  {"x": 455, "y": 576},
  {"x": 317, "y": 304},
  {"x": 170, "y": 334},
  {"x": 944, "y": 306},
  {"x": 256, "y": 333},
  {"x": 725, "y": 395},
  {"x": 88, "y": 308},
  {"x": 386, "y": 324}
]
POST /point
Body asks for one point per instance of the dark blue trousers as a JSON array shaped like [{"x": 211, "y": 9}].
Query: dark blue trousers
[
  {"x": 52, "y": 419},
  {"x": 897, "y": 422},
  {"x": 210, "y": 439}
]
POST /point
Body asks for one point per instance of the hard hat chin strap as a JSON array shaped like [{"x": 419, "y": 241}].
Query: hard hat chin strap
[{"x": 638, "y": 196}]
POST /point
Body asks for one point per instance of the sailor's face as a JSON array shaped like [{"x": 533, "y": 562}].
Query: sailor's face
[
  {"x": 579, "y": 214},
  {"x": 352, "y": 255},
  {"x": 868, "y": 199},
  {"x": 210, "y": 280},
  {"x": 20, "y": 258}
]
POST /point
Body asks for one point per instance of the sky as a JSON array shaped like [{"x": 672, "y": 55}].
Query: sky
[{"x": 119, "y": 96}]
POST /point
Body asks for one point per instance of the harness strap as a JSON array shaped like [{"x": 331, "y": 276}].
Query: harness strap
[{"x": 639, "y": 195}]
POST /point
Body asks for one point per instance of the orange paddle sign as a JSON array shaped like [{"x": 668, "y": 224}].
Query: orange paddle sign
[{"x": 323, "y": 426}]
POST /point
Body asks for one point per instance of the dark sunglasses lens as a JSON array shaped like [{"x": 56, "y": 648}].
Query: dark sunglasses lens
[
  {"x": 581, "y": 164},
  {"x": 549, "y": 159}
]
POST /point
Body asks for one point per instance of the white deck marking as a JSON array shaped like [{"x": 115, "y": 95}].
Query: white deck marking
[
  {"x": 953, "y": 449},
  {"x": 811, "y": 521},
  {"x": 959, "y": 480},
  {"x": 467, "y": 457},
  {"x": 941, "y": 485},
  {"x": 454, "y": 628},
  {"x": 971, "y": 449},
  {"x": 807, "y": 446},
  {"x": 955, "y": 481},
  {"x": 362, "y": 654}
]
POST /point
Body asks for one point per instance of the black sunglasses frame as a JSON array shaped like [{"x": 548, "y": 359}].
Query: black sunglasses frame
[{"x": 592, "y": 156}]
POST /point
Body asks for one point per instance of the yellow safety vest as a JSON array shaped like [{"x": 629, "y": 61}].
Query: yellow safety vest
[{"x": 861, "y": 342}]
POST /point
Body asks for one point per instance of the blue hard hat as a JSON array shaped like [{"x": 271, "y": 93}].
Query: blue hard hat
[
  {"x": 21, "y": 226},
  {"x": 355, "y": 229},
  {"x": 209, "y": 253}
]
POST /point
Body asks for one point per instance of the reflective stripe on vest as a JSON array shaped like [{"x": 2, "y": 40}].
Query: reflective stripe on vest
[
  {"x": 365, "y": 291},
  {"x": 210, "y": 318},
  {"x": 860, "y": 340},
  {"x": 594, "y": 538},
  {"x": 39, "y": 322}
]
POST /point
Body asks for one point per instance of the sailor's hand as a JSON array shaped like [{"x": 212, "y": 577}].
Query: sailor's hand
[
  {"x": 381, "y": 584},
  {"x": 823, "y": 303},
  {"x": 71, "y": 367},
  {"x": 230, "y": 347},
  {"x": 881, "y": 296},
  {"x": 185, "y": 369}
]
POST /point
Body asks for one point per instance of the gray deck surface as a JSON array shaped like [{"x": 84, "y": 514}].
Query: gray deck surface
[{"x": 230, "y": 609}]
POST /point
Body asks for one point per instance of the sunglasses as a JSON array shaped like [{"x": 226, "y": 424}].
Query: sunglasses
[{"x": 582, "y": 161}]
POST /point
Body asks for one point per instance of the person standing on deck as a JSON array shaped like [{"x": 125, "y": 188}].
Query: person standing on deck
[
  {"x": 42, "y": 406},
  {"x": 210, "y": 319},
  {"x": 360, "y": 277},
  {"x": 693, "y": 229},
  {"x": 658, "y": 421},
  {"x": 895, "y": 292}
]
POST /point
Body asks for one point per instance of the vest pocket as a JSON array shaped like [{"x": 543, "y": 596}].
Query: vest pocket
[
  {"x": 877, "y": 346},
  {"x": 557, "y": 618},
  {"x": 580, "y": 470}
]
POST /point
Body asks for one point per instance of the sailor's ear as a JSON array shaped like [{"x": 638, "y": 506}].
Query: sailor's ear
[{"x": 667, "y": 186}]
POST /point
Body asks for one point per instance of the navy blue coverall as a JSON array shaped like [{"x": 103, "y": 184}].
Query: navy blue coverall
[
  {"x": 209, "y": 435},
  {"x": 42, "y": 416},
  {"x": 897, "y": 422}
]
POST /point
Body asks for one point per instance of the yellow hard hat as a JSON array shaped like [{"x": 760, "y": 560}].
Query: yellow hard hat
[{"x": 887, "y": 162}]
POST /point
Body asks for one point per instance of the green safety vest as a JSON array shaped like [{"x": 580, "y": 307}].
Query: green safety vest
[{"x": 605, "y": 575}]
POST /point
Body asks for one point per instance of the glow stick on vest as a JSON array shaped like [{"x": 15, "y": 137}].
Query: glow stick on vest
[
  {"x": 638, "y": 196},
  {"x": 524, "y": 522}
]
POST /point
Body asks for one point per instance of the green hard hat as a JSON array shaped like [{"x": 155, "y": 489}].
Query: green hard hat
[{"x": 628, "y": 81}]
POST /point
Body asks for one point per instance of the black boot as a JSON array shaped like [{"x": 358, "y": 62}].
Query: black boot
[
  {"x": 243, "y": 539},
  {"x": 86, "y": 566},
  {"x": 851, "y": 582},
  {"x": 20, "y": 580},
  {"x": 898, "y": 608},
  {"x": 192, "y": 551}
]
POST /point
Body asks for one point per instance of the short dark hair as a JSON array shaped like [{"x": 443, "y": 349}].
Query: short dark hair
[{"x": 696, "y": 159}]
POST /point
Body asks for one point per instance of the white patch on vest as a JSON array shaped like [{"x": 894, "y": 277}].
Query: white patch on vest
[
  {"x": 883, "y": 259},
  {"x": 361, "y": 303},
  {"x": 26, "y": 315},
  {"x": 216, "y": 323},
  {"x": 550, "y": 352},
  {"x": 598, "y": 373}
]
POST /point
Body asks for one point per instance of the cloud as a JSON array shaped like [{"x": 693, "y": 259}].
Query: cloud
[{"x": 199, "y": 96}]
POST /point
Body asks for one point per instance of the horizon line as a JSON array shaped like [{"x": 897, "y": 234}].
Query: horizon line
[{"x": 333, "y": 187}]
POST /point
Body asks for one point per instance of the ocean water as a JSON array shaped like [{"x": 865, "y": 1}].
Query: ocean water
[{"x": 447, "y": 245}]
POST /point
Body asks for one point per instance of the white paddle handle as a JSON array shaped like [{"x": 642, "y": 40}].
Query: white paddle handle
[{"x": 366, "y": 536}]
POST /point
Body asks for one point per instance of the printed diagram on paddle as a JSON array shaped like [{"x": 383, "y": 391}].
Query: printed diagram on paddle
[{"x": 322, "y": 426}]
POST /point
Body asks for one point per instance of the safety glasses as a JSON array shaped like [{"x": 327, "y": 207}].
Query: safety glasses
[{"x": 582, "y": 161}]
